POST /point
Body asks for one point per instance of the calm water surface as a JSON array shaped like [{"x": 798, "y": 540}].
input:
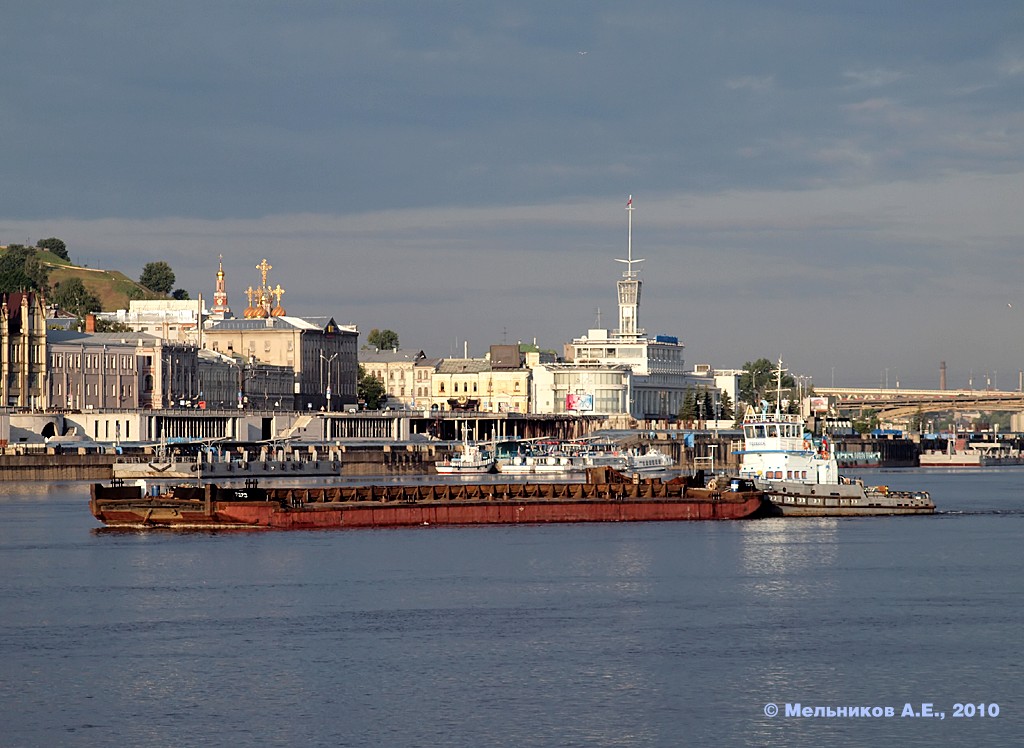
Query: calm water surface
[{"x": 654, "y": 634}]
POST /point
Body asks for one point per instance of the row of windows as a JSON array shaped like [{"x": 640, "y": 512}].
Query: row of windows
[
  {"x": 119, "y": 431},
  {"x": 573, "y": 380},
  {"x": 251, "y": 345},
  {"x": 465, "y": 387},
  {"x": 761, "y": 431},
  {"x": 790, "y": 475},
  {"x": 92, "y": 361},
  {"x": 94, "y": 390}
]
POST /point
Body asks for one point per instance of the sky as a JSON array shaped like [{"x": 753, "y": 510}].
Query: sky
[{"x": 837, "y": 184}]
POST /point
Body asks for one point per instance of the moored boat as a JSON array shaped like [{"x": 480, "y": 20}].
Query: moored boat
[
  {"x": 606, "y": 496},
  {"x": 651, "y": 462},
  {"x": 472, "y": 459},
  {"x": 550, "y": 464},
  {"x": 961, "y": 453}
]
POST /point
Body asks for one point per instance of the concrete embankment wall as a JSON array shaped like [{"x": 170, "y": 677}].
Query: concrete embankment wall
[
  {"x": 363, "y": 460},
  {"x": 40, "y": 467}
]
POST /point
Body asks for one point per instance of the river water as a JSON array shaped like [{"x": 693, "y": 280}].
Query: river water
[{"x": 636, "y": 634}]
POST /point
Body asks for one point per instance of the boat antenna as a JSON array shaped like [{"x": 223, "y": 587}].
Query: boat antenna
[{"x": 778, "y": 390}]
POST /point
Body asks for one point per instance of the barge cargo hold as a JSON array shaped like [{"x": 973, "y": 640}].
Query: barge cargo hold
[{"x": 607, "y": 496}]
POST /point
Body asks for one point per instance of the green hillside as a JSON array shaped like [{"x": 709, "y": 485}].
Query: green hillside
[{"x": 113, "y": 288}]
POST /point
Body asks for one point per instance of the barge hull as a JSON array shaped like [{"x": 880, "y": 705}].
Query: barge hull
[{"x": 296, "y": 509}]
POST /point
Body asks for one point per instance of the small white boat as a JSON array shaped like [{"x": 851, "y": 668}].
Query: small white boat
[
  {"x": 472, "y": 459},
  {"x": 651, "y": 462}
]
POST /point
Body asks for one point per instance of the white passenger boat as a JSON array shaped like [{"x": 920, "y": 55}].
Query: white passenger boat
[
  {"x": 542, "y": 464},
  {"x": 651, "y": 462},
  {"x": 800, "y": 474},
  {"x": 473, "y": 459}
]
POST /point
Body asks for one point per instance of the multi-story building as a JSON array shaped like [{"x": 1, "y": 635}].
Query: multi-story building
[
  {"x": 321, "y": 355},
  {"x": 659, "y": 379},
  {"x": 170, "y": 319},
  {"x": 235, "y": 382},
  {"x": 23, "y": 361},
  {"x": 119, "y": 370},
  {"x": 396, "y": 369},
  {"x": 581, "y": 389},
  {"x": 499, "y": 383}
]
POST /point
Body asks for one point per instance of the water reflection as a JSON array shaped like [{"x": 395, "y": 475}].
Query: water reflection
[{"x": 784, "y": 558}]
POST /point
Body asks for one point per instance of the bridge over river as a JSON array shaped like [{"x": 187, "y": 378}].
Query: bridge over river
[{"x": 897, "y": 403}]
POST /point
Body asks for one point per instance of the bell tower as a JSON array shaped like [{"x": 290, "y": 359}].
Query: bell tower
[{"x": 220, "y": 294}]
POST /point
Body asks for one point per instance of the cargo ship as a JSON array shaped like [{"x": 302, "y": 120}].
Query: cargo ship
[{"x": 605, "y": 496}]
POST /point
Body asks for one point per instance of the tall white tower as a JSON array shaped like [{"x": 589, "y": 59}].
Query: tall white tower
[{"x": 629, "y": 288}]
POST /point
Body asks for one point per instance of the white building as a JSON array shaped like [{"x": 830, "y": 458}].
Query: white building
[
  {"x": 169, "y": 319},
  {"x": 659, "y": 379}
]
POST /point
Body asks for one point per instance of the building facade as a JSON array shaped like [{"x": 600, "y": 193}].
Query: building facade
[
  {"x": 23, "y": 360},
  {"x": 91, "y": 371},
  {"x": 581, "y": 389},
  {"x": 659, "y": 380},
  {"x": 321, "y": 355},
  {"x": 396, "y": 369}
]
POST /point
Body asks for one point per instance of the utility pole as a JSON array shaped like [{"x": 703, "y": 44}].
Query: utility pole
[{"x": 329, "y": 360}]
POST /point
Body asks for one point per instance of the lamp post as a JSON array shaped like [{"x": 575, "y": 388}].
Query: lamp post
[{"x": 329, "y": 360}]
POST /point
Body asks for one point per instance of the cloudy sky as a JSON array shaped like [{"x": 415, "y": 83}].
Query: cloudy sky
[{"x": 840, "y": 183}]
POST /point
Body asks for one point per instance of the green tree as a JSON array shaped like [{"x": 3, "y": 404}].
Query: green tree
[
  {"x": 382, "y": 340},
  {"x": 688, "y": 413},
  {"x": 706, "y": 405},
  {"x": 38, "y": 272},
  {"x": 157, "y": 276},
  {"x": 867, "y": 421},
  {"x": 725, "y": 411},
  {"x": 55, "y": 247},
  {"x": 103, "y": 325},
  {"x": 22, "y": 270},
  {"x": 759, "y": 381},
  {"x": 180, "y": 294},
  {"x": 370, "y": 390},
  {"x": 72, "y": 296}
]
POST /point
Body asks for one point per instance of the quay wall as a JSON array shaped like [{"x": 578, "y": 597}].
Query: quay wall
[
  {"x": 47, "y": 467},
  {"x": 17, "y": 464}
]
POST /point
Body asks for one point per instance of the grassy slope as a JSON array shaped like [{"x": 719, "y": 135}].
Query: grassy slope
[{"x": 112, "y": 287}]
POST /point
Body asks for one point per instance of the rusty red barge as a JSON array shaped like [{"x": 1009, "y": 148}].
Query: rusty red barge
[{"x": 606, "y": 496}]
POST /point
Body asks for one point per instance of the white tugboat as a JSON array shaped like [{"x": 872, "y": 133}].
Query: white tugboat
[{"x": 800, "y": 475}]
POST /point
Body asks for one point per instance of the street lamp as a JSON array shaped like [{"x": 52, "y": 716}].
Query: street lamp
[{"x": 329, "y": 360}]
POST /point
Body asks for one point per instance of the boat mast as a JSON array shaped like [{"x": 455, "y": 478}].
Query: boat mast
[{"x": 778, "y": 391}]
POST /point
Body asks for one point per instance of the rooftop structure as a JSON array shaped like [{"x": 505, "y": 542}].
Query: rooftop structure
[{"x": 659, "y": 377}]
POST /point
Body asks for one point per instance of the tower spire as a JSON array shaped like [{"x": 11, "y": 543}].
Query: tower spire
[
  {"x": 220, "y": 293},
  {"x": 629, "y": 286}
]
